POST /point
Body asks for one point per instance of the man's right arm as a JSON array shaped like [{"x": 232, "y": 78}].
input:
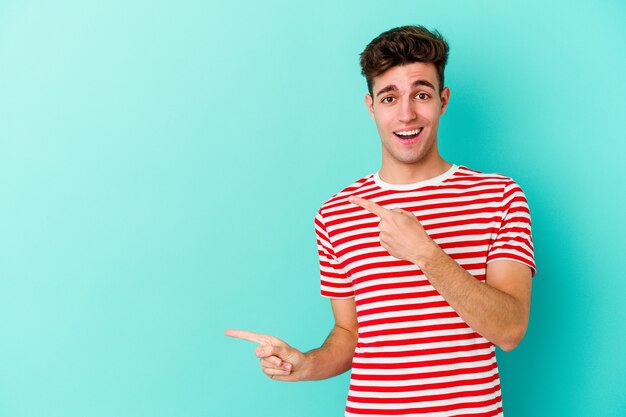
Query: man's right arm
[
  {"x": 285, "y": 363},
  {"x": 334, "y": 357}
]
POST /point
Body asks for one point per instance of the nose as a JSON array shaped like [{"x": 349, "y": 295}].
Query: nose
[{"x": 407, "y": 111}]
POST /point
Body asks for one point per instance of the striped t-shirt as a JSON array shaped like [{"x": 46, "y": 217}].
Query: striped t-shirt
[{"x": 415, "y": 355}]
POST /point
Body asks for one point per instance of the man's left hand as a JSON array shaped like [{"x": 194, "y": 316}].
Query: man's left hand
[{"x": 400, "y": 232}]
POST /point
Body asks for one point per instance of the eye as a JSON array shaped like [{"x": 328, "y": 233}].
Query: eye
[
  {"x": 423, "y": 96},
  {"x": 387, "y": 99}
]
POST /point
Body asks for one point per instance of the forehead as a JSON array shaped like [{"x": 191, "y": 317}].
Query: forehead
[{"x": 403, "y": 76}]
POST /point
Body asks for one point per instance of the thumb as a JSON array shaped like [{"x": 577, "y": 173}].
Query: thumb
[{"x": 264, "y": 351}]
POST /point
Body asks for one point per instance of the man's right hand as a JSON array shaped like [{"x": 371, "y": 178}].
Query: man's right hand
[{"x": 278, "y": 360}]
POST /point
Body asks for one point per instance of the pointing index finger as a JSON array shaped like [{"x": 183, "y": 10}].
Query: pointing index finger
[
  {"x": 369, "y": 206},
  {"x": 246, "y": 335}
]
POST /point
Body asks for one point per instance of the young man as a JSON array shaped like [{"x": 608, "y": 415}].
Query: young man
[{"x": 428, "y": 265}]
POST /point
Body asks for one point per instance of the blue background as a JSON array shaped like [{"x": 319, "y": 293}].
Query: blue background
[{"x": 161, "y": 164}]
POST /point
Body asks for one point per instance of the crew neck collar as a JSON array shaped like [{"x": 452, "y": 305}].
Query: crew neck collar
[{"x": 404, "y": 187}]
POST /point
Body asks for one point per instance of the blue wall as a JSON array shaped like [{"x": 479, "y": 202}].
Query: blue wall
[{"x": 161, "y": 164}]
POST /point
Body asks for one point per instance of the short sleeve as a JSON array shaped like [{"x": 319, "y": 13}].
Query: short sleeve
[
  {"x": 514, "y": 238},
  {"x": 334, "y": 282}
]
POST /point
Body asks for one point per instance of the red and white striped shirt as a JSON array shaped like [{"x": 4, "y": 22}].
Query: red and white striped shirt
[{"x": 415, "y": 355}]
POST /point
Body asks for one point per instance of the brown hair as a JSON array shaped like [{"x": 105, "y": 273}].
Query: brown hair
[{"x": 404, "y": 45}]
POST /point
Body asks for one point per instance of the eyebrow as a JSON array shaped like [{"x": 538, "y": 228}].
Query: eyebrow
[{"x": 416, "y": 83}]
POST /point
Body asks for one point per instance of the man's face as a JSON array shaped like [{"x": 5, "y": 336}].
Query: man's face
[{"x": 406, "y": 106}]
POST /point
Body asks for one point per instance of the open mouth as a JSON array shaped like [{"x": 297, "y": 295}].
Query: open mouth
[{"x": 408, "y": 136}]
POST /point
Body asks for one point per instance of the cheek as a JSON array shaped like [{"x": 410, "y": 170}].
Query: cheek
[
  {"x": 382, "y": 117},
  {"x": 382, "y": 125},
  {"x": 433, "y": 115}
]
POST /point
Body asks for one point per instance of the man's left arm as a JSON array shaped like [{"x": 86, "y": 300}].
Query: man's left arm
[{"x": 497, "y": 309}]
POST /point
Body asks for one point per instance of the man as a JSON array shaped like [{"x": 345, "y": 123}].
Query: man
[{"x": 428, "y": 265}]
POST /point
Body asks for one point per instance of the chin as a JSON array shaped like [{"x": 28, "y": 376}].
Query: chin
[
  {"x": 409, "y": 159},
  {"x": 408, "y": 156},
  {"x": 412, "y": 161}
]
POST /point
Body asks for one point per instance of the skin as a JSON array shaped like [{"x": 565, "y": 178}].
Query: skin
[
  {"x": 404, "y": 108},
  {"x": 407, "y": 97}
]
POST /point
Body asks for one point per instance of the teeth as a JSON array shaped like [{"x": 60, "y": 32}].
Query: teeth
[{"x": 409, "y": 132}]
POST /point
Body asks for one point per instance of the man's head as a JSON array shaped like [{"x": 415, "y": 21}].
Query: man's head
[
  {"x": 404, "y": 45},
  {"x": 404, "y": 71}
]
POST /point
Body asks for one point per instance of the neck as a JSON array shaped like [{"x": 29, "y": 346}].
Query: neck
[{"x": 399, "y": 173}]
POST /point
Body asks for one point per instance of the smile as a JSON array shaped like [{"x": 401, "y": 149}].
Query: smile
[{"x": 408, "y": 135}]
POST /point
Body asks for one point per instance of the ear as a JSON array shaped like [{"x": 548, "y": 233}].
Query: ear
[
  {"x": 369, "y": 103},
  {"x": 445, "y": 98}
]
